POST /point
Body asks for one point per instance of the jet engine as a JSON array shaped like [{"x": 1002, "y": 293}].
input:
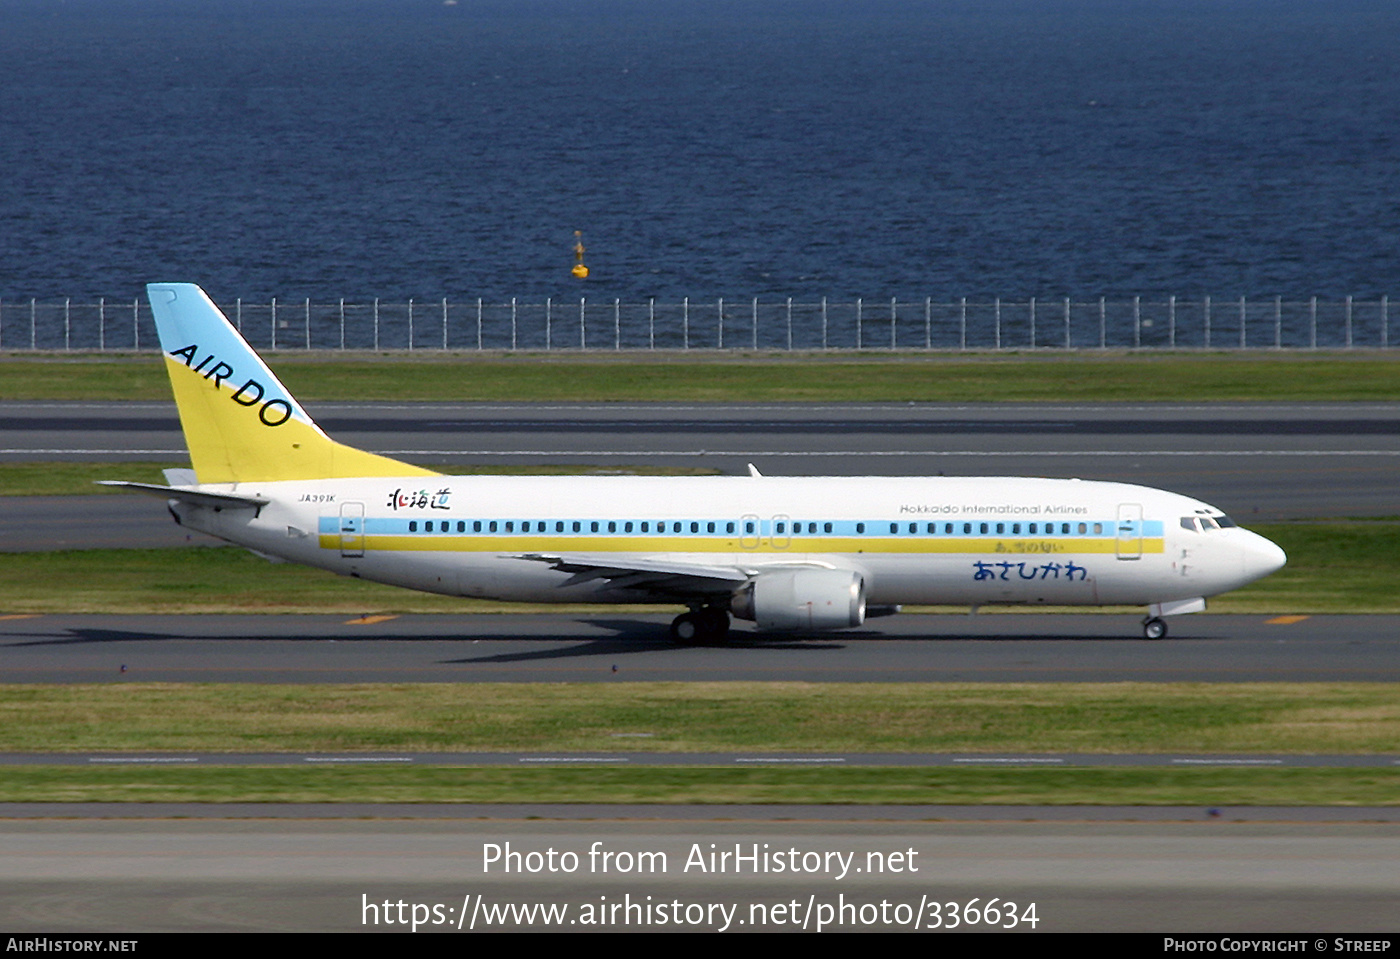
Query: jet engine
[{"x": 787, "y": 599}]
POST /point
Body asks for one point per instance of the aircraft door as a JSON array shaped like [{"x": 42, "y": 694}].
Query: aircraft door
[
  {"x": 1129, "y": 540},
  {"x": 749, "y": 531},
  {"x": 352, "y": 530},
  {"x": 781, "y": 536}
]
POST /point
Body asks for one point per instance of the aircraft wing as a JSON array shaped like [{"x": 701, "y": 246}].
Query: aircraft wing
[
  {"x": 662, "y": 577},
  {"x": 195, "y": 497}
]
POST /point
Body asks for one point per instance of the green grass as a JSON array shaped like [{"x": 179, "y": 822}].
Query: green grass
[
  {"x": 799, "y": 718},
  {"x": 201, "y": 579},
  {"x": 793, "y": 717},
  {"x": 78, "y": 479},
  {"x": 1332, "y": 568},
  {"x": 734, "y": 377},
  {"x": 713, "y": 785}
]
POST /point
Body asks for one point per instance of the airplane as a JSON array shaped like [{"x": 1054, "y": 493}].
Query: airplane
[{"x": 790, "y": 554}]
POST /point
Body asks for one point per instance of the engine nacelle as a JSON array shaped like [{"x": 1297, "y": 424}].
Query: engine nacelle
[{"x": 786, "y": 599}]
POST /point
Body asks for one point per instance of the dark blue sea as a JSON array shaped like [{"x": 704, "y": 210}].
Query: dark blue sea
[{"x": 768, "y": 148}]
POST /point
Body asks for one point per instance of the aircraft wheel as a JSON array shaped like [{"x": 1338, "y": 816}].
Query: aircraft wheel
[
  {"x": 707, "y": 625},
  {"x": 685, "y": 629},
  {"x": 1154, "y": 628}
]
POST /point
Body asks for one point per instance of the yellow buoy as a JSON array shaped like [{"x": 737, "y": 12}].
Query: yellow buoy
[{"x": 579, "y": 270}]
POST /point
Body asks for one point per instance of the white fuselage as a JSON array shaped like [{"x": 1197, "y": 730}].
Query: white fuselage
[{"x": 974, "y": 541}]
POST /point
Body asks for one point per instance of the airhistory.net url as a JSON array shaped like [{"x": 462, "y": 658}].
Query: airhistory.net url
[{"x": 814, "y": 914}]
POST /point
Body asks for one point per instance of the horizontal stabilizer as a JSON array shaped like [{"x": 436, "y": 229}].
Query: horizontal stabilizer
[{"x": 194, "y": 497}]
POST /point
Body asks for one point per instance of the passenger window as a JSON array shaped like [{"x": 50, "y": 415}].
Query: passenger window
[
  {"x": 779, "y": 528},
  {"x": 646, "y": 526},
  {"x": 1001, "y": 528},
  {"x": 493, "y": 526},
  {"x": 709, "y": 527},
  {"x": 593, "y": 526},
  {"x": 578, "y": 527},
  {"x": 612, "y": 526},
  {"x": 413, "y": 526},
  {"x": 729, "y": 527},
  {"x": 860, "y": 527},
  {"x": 695, "y": 527},
  {"x": 748, "y": 527},
  {"x": 627, "y": 526},
  {"x": 675, "y": 527},
  {"x": 894, "y": 527},
  {"x": 826, "y": 527}
]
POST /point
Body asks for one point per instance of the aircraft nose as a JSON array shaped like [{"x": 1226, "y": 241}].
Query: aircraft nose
[{"x": 1260, "y": 557}]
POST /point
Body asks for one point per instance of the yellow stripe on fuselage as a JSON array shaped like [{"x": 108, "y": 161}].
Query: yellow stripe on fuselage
[{"x": 458, "y": 543}]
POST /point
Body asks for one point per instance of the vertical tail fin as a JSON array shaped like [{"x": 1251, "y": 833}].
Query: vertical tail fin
[{"x": 240, "y": 422}]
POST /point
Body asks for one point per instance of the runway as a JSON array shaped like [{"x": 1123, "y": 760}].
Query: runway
[
  {"x": 1256, "y": 461},
  {"x": 349, "y": 875},
  {"x": 617, "y": 647}
]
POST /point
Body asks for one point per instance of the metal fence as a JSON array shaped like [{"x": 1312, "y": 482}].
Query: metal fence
[{"x": 731, "y": 324}]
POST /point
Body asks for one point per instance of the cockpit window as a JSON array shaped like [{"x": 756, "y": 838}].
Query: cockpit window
[{"x": 1201, "y": 523}]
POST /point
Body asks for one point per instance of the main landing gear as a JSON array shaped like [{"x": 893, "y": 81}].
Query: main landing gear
[
  {"x": 1154, "y": 627},
  {"x": 701, "y": 627}
]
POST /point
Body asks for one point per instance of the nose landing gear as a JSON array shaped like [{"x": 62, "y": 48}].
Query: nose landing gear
[{"x": 1154, "y": 627}]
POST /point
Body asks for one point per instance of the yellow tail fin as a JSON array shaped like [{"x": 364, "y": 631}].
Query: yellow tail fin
[{"x": 240, "y": 422}]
